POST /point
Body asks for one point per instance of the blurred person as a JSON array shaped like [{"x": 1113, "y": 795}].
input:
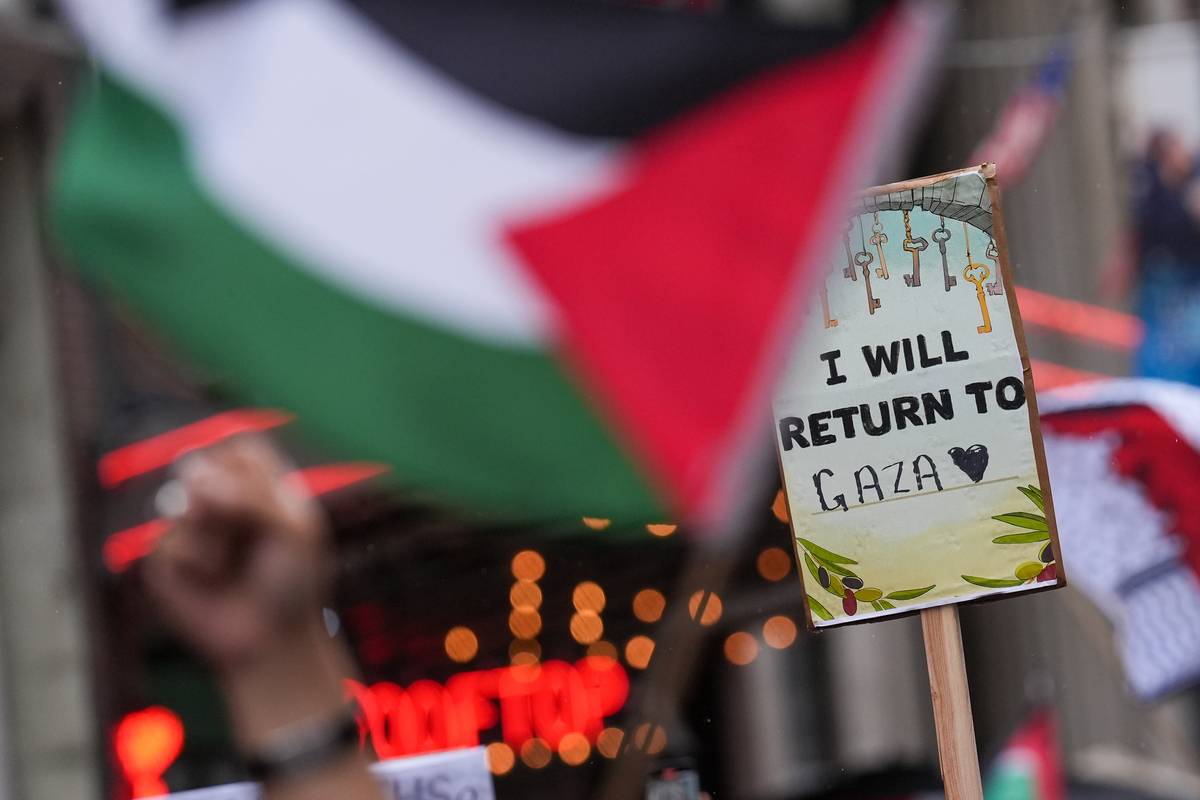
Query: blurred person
[
  {"x": 242, "y": 577},
  {"x": 1167, "y": 228}
]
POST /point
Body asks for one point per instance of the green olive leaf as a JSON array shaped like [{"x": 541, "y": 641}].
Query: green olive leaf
[
  {"x": 1022, "y": 538},
  {"x": 992, "y": 583},
  {"x": 875, "y": 605},
  {"x": 888, "y": 606},
  {"x": 812, "y": 567},
  {"x": 836, "y": 568},
  {"x": 823, "y": 554},
  {"x": 1023, "y": 519},
  {"x": 1035, "y": 496},
  {"x": 908, "y": 594},
  {"x": 819, "y": 609}
]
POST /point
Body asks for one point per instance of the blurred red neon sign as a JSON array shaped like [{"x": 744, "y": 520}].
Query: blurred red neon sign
[
  {"x": 146, "y": 743},
  {"x": 547, "y": 701}
]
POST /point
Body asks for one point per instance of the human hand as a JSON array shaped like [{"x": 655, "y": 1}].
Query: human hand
[{"x": 242, "y": 575}]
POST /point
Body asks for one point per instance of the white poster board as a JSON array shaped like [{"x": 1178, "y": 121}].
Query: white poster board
[{"x": 906, "y": 422}]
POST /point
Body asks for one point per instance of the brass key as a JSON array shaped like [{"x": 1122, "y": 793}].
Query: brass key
[
  {"x": 941, "y": 236},
  {"x": 977, "y": 274},
  {"x": 996, "y": 286},
  {"x": 879, "y": 239},
  {"x": 848, "y": 271},
  {"x": 863, "y": 259},
  {"x": 830, "y": 322},
  {"x": 914, "y": 248}
]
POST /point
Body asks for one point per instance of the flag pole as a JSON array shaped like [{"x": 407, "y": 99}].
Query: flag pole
[{"x": 951, "y": 695}]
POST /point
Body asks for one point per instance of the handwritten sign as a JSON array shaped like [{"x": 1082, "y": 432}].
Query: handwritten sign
[
  {"x": 906, "y": 423},
  {"x": 452, "y": 775}
]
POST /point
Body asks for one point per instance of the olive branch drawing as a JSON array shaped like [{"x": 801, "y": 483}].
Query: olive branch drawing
[
  {"x": 1034, "y": 530},
  {"x": 832, "y": 573}
]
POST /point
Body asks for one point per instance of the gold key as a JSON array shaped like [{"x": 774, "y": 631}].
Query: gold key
[
  {"x": 977, "y": 274},
  {"x": 848, "y": 271},
  {"x": 914, "y": 248},
  {"x": 996, "y": 286},
  {"x": 879, "y": 239}
]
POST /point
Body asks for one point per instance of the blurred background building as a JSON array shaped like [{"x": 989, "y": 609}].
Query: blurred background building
[{"x": 770, "y": 711}]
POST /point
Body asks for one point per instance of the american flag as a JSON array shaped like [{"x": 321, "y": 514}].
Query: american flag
[{"x": 1025, "y": 122}]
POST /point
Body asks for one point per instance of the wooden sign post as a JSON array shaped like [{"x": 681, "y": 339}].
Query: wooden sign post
[
  {"x": 908, "y": 435},
  {"x": 951, "y": 695}
]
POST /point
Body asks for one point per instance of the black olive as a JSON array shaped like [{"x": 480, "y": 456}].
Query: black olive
[
  {"x": 823, "y": 577},
  {"x": 852, "y": 583}
]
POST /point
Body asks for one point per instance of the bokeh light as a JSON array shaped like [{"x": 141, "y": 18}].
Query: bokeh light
[
  {"x": 779, "y": 507},
  {"x": 596, "y": 523},
  {"x": 528, "y": 565},
  {"x": 608, "y": 743},
  {"x": 525, "y": 594},
  {"x": 525, "y": 623},
  {"x": 461, "y": 644},
  {"x": 527, "y": 647},
  {"x": 500, "y": 758},
  {"x": 712, "y": 608},
  {"x": 535, "y": 753},
  {"x": 638, "y": 651},
  {"x": 648, "y": 605},
  {"x": 586, "y": 627},
  {"x": 574, "y": 749},
  {"x": 774, "y": 564},
  {"x": 661, "y": 528},
  {"x": 588, "y": 596},
  {"x": 650, "y": 738},
  {"x": 602, "y": 649},
  {"x": 779, "y": 632},
  {"x": 741, "y": 648}
]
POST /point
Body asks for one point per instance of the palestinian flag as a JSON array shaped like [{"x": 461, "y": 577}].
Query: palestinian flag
[
  {"x": 1126, "y": 454},
  {"x": 1030, "y": 766},
  {"x": 541, "y": 256}
]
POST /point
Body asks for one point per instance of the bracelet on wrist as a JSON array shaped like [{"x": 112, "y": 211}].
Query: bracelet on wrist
[{"x": 303, "y": 747}]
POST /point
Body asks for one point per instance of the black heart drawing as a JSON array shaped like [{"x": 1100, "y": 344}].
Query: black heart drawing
[{"x": 973, "y": 461}]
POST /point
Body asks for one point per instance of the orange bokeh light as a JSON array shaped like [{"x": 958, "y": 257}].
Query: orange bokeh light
[
  {"x": 586, "y": 627},
  {"x": 461, "y": 644},
  {"x": 774, "y": 564},
  {"x": 525, "y": 623},
  {"x": 588, "y": 596},
  {"x": 525, "y": 594},
  {"x": 574, "y": 749},
  {"x": 500, "y": 758},
  {"x": 741, "y": 648},
  {"x": 650, "y": 738},
  {"x": 608, "y": 743},
  {"x": 528, "y": 565},
  {"x": 638, "y": 651},
  {"x": 779, "y": 507},
  {"x": 661, "y": 528},
  {"x": 596, "y": 523},
  {"x": 779, "y": 632},
  {"x": 535, "y": 753},
  {"x": 648, "y": 605},
  {"x": 602, "y": 649},
  {"x": 525, "y": 647},
  {"x": 712, "y": 608}
]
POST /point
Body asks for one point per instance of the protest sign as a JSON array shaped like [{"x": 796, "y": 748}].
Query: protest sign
[
  {"x": 450, "y": 775},
  {"x": 906, "y": 422}
]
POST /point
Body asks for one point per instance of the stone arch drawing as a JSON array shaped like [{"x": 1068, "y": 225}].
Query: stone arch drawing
[{"x": 962, "y": 197}]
